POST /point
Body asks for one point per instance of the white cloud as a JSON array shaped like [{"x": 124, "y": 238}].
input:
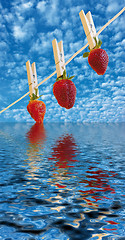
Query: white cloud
[
  {"x": 18, "y": 115},
  {"x": 69, "y": 36},
  {"x": 18, "y": 33},
  {"x": 21, "y": 7},
  {"x": 121, "y": 98},
  {"x": 46, "y": 97},
  {"x": 74, "y": 47},
  {"x": 118, "y": 36},
  {"x": 25, "y": 31},
  {"x": 27, "y": 5},
  {"x": 80, "y": 60},
  {"x": 100, "y": 7},
  {"x": 3, "y": 45},
  {"x": 44, "y": 41},
  {"x": 120, "y": 92},
  {"x": 66, "y": 24},
  {"x": 9, "y": 17},
  {"x": 113, "y": 6},
  {"x": 123, "y": 42},
  {"x": 19, "y": 85},
  {"x": 41, "y": 6},
  {"x": 108, "y": 84},
  {"x": 49, "y": 11}
]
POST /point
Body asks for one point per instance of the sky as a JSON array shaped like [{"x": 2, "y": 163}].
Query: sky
[{"x": 27, "y": 30}]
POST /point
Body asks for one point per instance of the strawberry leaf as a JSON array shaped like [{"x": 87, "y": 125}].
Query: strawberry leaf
[
  {"x": 34, "y": 96},
  {"x": 59, "y": 78},
  {"x": 99, "y": 43},
  {"x": 39, "y": 96},
  {"x": 36, "y": 91},
  {"x": 96, "y": 40},
  {"x": 86, "y": 54},
  {"x": 64, "y": 74},
  {"x": 71, "y": 77}
]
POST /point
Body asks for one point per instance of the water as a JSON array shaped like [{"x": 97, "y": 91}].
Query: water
[{"x": 62, "y": 181}]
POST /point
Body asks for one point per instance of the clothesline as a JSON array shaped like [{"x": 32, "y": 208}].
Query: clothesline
[{"x": 70, "y": 59}]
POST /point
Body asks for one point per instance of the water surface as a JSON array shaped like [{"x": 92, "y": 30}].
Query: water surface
[{"x": 62, "y": 181}]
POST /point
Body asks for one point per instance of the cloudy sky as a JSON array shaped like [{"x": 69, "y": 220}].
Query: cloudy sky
[{"x": 27, "y": 31}]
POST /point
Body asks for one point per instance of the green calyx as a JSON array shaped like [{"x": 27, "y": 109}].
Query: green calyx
[
  {"x": 98, "y": 45},
  {"x": 64, "y": 76},
  {"x": 34, "y": 95}
]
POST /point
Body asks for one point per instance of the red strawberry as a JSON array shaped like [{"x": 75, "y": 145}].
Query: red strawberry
[
  {"x": 97, "y": 59},
  {"x": 36, "y": 108},
  {"x": 64, "y": 91}
]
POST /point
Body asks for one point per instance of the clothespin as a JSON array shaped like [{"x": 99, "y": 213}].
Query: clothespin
[
  {"x": 59, "y": 57},
  {"x": 32, "y": 78},
  {"x": 89, "y": 28}
]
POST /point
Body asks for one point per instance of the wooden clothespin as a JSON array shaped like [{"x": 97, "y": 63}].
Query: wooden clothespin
[
  {"x": 89, "y": 28},
  {"x": 32, "y": 78},
  {"x": 59, "y": 57}
]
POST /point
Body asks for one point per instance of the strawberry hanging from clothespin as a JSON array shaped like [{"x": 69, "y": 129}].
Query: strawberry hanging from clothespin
[
  {"x": 36, "y": 108},
  {"x": 97, "y": 57},
  {"x": 64, "y": 89}
]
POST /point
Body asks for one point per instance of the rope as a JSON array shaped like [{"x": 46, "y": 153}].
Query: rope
[
  {"x": 15, "y": 102},
  {"x": 71, "y": 58}
]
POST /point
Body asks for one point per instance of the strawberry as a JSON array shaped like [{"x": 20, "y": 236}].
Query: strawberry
[
  {"x": 97, "y": 58},
  {"x": 36, "y": 108},
  {"x": 64, "y": 91}
]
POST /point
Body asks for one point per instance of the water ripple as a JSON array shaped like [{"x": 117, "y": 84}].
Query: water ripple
[{"x": 62, "y": 181}]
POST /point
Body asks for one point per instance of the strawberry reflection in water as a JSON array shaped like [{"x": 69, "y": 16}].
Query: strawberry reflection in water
[
  {"x": 64, "y": 152},
  {"x": 91, "y": 190},
  {"x": 98, "y": 190},
  {"x": 64, "y": 155},
  {"x": 36, "y": 134},
  {"x": 97, "y": 184},
  {"x": 36, "y": 138}
]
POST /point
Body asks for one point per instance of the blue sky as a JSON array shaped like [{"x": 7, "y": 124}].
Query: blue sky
[{"x": 27, "y": 31}]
